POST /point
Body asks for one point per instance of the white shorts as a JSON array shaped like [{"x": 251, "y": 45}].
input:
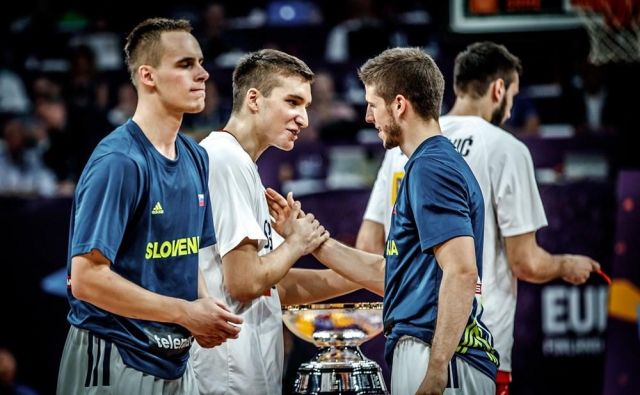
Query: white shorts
[{"x": 410, "y": 360}]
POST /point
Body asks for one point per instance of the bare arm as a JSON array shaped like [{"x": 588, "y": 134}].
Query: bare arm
[
  {"x": 203, "y": 292},
  {"x": 93, "y": 281},
  {"x": 358, "y": 266},
  {"x": 247, "y": 275},
  {"x": 456, "y": 258},
  {"x": 532, "y": 263},
  {"x": 302, "y": 286},
  {"x": 371, "y": 237}
]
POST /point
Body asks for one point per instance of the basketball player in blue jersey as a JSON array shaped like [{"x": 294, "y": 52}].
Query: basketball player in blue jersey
[
  {"x": 140, "y": 214},
  {"x": 436, "y": 341}
]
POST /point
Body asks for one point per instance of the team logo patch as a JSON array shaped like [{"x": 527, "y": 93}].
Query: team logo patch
[
  {"x": 201, "y": 199},
  {"x": 157, "y": 209}
]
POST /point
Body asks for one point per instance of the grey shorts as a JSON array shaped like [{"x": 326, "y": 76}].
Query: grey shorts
[
  {"x": 91, "y": 365},
  {"x": 410, "y": 360}
]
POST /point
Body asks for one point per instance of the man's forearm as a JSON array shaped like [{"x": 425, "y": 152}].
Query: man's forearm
[
  {"x": 302, "y": 286},
  {"x": 248, "y": 276},
  {"x": 99, "y": 285},
  {"x": 358, "y": 266},
  {"x": 455, "y": 300},
  {"x": 530, "y": 262},
  {"x": 371, "y": 237},
  {"x": 203, "y": 292}
]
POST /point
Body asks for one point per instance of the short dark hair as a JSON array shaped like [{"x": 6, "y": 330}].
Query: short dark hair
[
  {"x": 409, "y": 72},
  {"x": 482, "y": 63},
  {"x": 262, "y": 70},
  {"x": 143, "y": 45}
]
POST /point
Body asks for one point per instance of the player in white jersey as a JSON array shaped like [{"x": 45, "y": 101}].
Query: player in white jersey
[
  {"x": 486, "y": 79},
  {"x": 250, "y": 266},
  {"x": 377, "y": 216}
]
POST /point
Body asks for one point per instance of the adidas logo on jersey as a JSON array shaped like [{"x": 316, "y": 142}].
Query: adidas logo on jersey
[{"x": 157, "y": 209}]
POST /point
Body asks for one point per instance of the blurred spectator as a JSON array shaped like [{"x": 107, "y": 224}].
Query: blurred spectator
[
  {"x": 587, "y": 101},
  {"x": 86, "y": 93},
  {"x": 363, "y": 34},
  {"x": 212, "y": 34},
  {"x": 524, "y": 120},
  {"x": 59, "y": 153},
  {"x": 103, "y": 42},
  {"x": 23, "y": 170},
  {"x": 13, "y": 95},
  {"x": 126, "y": 105},
  {"x": 8, "y": 370},
  {"x": 84, "y": 88},
  {"x": 43, "y": 88},
  {"x": 327, "y": 112}
]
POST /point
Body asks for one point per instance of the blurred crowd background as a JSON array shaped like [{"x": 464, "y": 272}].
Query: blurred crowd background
[{"x": 63, "y": 87}]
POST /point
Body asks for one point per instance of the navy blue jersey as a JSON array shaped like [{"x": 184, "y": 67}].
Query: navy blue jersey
[
  {"x": 439, "y": 199},
  {"x": 149, "y": 216}
]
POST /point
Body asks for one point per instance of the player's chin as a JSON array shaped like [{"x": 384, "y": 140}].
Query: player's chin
[
  {"x": 389, "y": 144},
  {"x": 195, "y": 107},
  {"x": 286, "y": 146}
]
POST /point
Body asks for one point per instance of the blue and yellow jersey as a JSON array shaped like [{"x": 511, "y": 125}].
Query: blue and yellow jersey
[
  {"x": 149, "y": 216},
  {"x": 438, "y": 199}
]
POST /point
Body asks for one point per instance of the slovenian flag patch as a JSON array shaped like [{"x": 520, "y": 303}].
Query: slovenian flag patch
[{"x": 201, "y": 199}]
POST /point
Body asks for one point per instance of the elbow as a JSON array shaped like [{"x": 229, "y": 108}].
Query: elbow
[
  {"x": 522, "y": 269},
  {"x": 81, "y": 281},
  {"x": 80, "y": 290},
  {"x": 470, "y": 278},
  {"x": 466, "y": 274}
]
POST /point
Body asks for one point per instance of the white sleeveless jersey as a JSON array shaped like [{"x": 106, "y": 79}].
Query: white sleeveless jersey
[
  {"x": 254, "y": 361},
  {"x": 503, "y": 167}
]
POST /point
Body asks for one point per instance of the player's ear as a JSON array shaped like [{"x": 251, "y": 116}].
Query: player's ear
[
  {"x": 400, "y": 104},
  {"x": 498, "y": 90},
  {"x": 251, "y": 99},
  {"x": 145, "y": 75}
]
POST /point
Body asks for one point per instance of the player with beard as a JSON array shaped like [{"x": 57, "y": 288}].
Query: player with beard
[
  {"x": 436, "y": 341},
  {"x": 486, "y": 79}
]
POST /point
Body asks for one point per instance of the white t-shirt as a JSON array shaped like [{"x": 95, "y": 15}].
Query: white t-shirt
[
  {"x": 504, "y": 169},
  {"x": 254, "y": 361},
  {"x": 385, "y": 189}
]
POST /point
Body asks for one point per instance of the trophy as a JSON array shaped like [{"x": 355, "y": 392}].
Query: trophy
[{"x": 338, "y": 330}]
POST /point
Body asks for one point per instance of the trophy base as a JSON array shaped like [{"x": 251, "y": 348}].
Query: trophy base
[{"x": 340, "y": 370}]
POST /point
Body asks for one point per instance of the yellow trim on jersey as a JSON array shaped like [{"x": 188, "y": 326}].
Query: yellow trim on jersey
[
  {"x": 473, "y": 337},
  {"x": 396, "y": 178}
]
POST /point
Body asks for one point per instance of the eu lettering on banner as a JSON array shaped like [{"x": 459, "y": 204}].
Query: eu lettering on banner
[{"x": 574, "y": 320}]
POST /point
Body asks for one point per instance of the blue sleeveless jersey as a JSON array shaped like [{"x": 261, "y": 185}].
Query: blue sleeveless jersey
[
  {"x": 149, "y": 216},
  {"x": 439, "y": 199}
]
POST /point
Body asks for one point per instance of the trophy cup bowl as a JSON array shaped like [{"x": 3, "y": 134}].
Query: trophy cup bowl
[{"x": 338, "y": 329}]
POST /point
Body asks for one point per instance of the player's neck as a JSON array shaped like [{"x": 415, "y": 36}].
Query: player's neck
[
  {"x": 160, "y": 129},
  {"x": 243, "y": 130},
  {"x": 416, "y": 132},
  {"x": 466, "y": 106}
]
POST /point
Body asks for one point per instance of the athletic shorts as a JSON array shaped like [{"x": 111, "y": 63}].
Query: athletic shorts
[
  {"x": 410, "y": 359},
  {"x": 93, "y": 366}
]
